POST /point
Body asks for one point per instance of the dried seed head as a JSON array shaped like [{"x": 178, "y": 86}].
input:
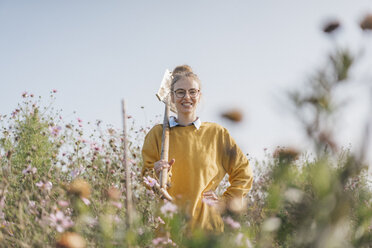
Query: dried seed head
[
  {"x": 331, "y": 26},
  {"x": 234, "y": 115},
  {"x": 327, "y": 139},
  {"x": 366, "y": 23},
  {"x": 289, "y": 154},
  {"x": 71, "y": 240},
  {"x": 79, "y": 187}
]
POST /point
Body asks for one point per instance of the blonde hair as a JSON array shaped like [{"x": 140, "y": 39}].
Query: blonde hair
[{"x": 183, "y": 71}]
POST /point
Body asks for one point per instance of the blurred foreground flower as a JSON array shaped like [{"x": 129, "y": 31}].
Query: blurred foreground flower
[
  {"x": 366, "y": 23},
  {"x": 232, "y": 223},
  {"x": 80, "y": 188},
  {"x": 239, "y": 241},
  {"x": 271, "y": 224},
  {"x": 117, "y": 204},
  {"x": 237, "y": 204},
  {"x": 163, "y": 241},
  {"x": 234, "y": 115},
  {"x": 160, "y": 220},
  {"x": 294, "y": 195},
  {"x": 168, "y": 209},
  {"x": 71, "y": 240},
  {"x": 85, "y": 200},
  {"x": 63, "y": 203}
]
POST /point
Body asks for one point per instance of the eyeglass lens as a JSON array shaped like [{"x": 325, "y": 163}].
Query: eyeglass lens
[{"x": 182, "y": 93}]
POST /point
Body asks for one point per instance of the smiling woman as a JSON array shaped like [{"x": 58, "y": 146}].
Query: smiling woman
[{"x": 202, "y": 153}]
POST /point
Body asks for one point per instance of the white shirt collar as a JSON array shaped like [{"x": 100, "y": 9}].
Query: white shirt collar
[{"x": 173, "y": 122}]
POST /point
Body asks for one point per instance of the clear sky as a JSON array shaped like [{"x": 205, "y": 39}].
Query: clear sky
[{"x": 246, "y": 53}]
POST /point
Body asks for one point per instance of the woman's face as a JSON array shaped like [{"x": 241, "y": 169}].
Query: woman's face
[{"x": 188, "y": 103}]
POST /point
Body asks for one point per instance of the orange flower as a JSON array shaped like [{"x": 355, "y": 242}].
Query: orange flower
[
  {"x": 71, "y": 240},
  {"x": 79, "y": 187}
]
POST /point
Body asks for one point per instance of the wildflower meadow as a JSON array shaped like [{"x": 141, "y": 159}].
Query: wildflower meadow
[{"x": 62, "y": 186}]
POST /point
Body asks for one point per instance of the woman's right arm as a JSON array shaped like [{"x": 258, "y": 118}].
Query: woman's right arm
[
  {"x": 152, "y": 165},
  {"x": 151, "y": 151}
]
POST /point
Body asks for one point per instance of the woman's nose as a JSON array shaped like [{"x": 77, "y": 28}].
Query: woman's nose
[{"x": 187, "y": 95}]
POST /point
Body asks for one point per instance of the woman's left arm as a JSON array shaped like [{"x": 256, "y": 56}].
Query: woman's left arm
[{"x": 237, "y": 166}]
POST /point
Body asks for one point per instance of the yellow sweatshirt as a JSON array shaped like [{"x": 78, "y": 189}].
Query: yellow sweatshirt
[{"x": 203, "y": 157}]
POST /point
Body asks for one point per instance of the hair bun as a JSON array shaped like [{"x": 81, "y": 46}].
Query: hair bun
[{"x": 182, "y": 69}]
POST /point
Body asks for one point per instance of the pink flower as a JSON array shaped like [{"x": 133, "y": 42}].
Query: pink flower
[
  {"x": 233, "y": 224},
  {"x": 150, "y": 193},
  {"x": 46, "y": 186},
  {"x": 149, "y": 181},
  {"x": 238, "y": 239},
  {"x": 117, "y": 219},
  {"x": 29, "y": 169},
  {"x": 55, "y": 130},
  {"x": 60, "y": 221},
  {"x": 77, "y": 171},
  {"x": 160, "y": 220},
  {"x": 31, "y": 204},
  {"x": 95, "y": 147},
  {"x": 83, "y": 140},
  {"x": 163, "y": 241},
  {"x": 117, "y": 204},
  {"x": 62, "y": 203},
  {"x": 85, "y": 200},
  {"x": 79, "y": 120},
  {"x": 168, "y": 209},
  {"x": 54, "y": 91}
]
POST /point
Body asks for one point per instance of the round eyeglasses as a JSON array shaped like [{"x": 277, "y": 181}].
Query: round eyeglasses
[{"x": 193, "y": 93}]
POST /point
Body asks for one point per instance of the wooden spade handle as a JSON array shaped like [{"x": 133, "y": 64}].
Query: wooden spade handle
[{"x": 165, "y": 147}]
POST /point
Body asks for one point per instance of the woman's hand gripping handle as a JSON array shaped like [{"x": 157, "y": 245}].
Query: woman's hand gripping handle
[{"x": 163, "y": 167}]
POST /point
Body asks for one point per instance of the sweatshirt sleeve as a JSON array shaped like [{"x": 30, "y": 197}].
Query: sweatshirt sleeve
[
  {"x": 237, "y": 167},
  {"x": 151, "y": 150}
]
